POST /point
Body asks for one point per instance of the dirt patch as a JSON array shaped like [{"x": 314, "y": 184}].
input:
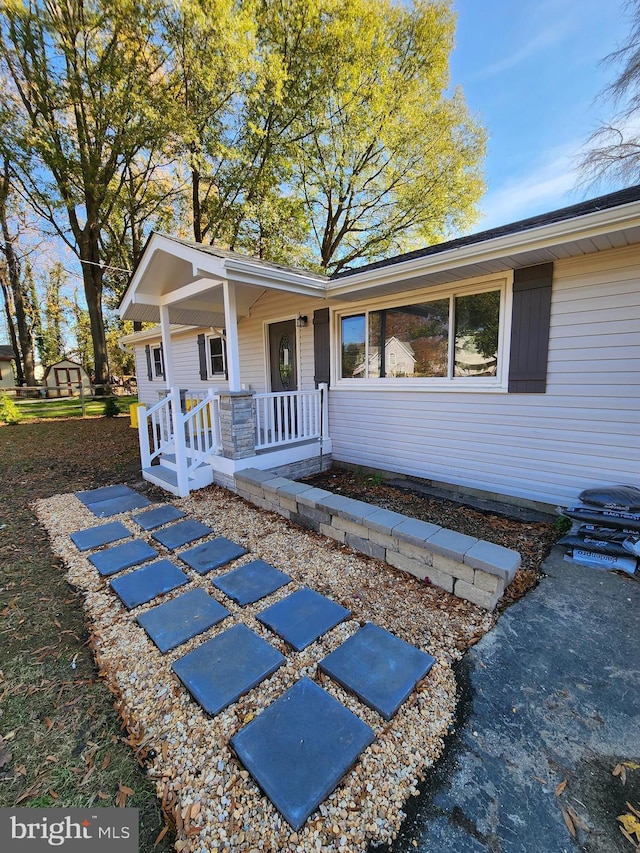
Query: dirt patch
[
  {"x": 62, "y": 742},
  {"x": 532, "y": 539}
]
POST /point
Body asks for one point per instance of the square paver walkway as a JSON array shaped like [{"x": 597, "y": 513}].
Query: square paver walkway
[
  {"x": 182, "y": 533},
  {"x": 112, "y": 500},
  {"x": 158, "y": 516},
  {"x": 221, "y": 670},
  {"x": 119, "y": 557},
  {"x": 176, "y": 621},
  {"x": 380, "y": 668},
  {"x": 103, "y": 534},
  {"x": 212, "y": 555},
  {"x": 299, "y": 748},
  {"x": 251, "y": 582},
  {"x": 147, "y": 583},
  {"x": 302, "y": 617}
]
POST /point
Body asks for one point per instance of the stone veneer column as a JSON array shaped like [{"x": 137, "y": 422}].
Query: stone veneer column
[{"x": 237, "y": 424}]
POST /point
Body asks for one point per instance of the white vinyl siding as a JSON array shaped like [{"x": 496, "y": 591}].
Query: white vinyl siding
[{"x": 584, "y": 431}]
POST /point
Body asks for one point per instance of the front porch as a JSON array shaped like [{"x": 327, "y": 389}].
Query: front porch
[{"x": 189, "y": 440}]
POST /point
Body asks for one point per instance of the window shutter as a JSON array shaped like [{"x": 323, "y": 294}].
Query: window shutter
[
  {"x": 147, "y": 352},
  {"x": 321, "y": 348},
  {"x": 530, "y": 329},
  {"x": 162, "y": 361},
  {"x": 202, "y": 356}
]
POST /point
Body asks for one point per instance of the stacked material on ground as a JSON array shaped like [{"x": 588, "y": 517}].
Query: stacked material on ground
[{"x": 605, "y": 529}]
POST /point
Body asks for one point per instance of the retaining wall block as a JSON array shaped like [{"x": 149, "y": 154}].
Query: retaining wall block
[
  {"x": 332, "y": 532},
  {"x": 415, "y": 530},
  {"x": 471, "y": 593},
  {"x": 488, "y": 582},
  {"x": 351, "y": 527},
  {"x": 365, "y": 546},
  {"x": 453, "y": 568},
  {"x": 451, "y": 544},
  {"x": 494, "y": 559},
  {"x": 418, "y": 568}
]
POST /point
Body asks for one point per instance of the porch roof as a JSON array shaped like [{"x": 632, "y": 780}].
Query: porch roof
[{"x": 188, "y": 279}]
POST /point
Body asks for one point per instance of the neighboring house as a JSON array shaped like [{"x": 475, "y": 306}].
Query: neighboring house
[
  {"x": 521, "y": 348},
  {"x": 65, "y": 378},
  {"x": 7, "y": 356}
]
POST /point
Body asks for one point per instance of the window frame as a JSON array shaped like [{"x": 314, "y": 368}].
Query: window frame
[
  {"x": 211, "y": 374},
  {"x": 157, "y": 364},
  {"x": 498, "y": 383}
]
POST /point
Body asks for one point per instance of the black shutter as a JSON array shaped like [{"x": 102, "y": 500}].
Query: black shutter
[
  {"x": 530, "y": 329},
  {"x": 321, "y": 347},
  {"x": 147, "y": 352},
  {"x": 162, "y": 361},
  {"x": 202, "y": 356}
]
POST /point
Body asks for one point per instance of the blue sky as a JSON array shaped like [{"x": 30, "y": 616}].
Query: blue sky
[{"x": 531, "y": 72}]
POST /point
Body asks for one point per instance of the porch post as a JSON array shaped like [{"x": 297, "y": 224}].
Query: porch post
[
  {"x": 231, "y": 333},
  {"x": 167, "y": 355}
]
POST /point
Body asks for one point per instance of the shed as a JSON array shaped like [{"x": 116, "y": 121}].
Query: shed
[
  {"x": 64, "y": 379},
  {"x": 7, "y": 355}
]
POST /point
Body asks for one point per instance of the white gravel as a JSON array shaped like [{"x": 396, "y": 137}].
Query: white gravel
[{"x": 205, "y": 790}]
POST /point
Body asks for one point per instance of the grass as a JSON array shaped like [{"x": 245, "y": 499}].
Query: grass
[
  {"x": 61, "y": 741},
  {"x": 70, "y": 407}
]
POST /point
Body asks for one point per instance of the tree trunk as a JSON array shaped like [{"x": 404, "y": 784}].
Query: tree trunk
[
  {"x": 92, "y": 278},
  {"x": 11, "y": 326},
  {"x": 13, "y": 270}
]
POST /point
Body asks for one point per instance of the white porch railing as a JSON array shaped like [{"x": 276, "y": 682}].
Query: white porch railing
[
  {"x": 286, "y": 417},
  {"x": 192, "y": 436}
]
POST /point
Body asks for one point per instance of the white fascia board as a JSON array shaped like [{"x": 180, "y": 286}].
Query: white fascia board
[
  {"x": 194, "y": 288},
  {"x": 244, "y": 272},
  {"x": 584, "y": 227},
  {"x": 154, "y": 333}
]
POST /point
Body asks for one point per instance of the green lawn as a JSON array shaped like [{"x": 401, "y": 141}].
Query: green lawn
[{"x": 70, "y": 407}]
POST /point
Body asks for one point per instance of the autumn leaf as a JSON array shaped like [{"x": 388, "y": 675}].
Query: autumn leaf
[
  {"x": 620, "y": 771},
  {"x": 560, "y": 788},
  {"x": 161, "y": 835},
  {"x": 106, "y": 762},
  {"x": 569, "y": 823},
  {"x": 631, "y": 765}
]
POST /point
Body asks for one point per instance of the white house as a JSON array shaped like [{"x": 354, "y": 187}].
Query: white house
[{"x": 521, "y": 348}]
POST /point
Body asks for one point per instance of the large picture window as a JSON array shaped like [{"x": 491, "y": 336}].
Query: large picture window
[{"x": 447, "y": 338}]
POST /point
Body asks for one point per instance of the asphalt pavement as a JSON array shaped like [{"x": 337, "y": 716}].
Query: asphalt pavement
[{"x": 549, "y": 707}]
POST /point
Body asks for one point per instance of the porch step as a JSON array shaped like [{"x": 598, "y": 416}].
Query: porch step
[{"x": 167, "y": 478}]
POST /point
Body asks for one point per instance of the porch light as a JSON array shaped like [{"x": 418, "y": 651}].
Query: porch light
[{"x": 301, "y": 322}]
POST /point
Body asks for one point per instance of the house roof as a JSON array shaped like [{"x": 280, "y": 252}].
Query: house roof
[
  {"x": 6, "y": 352},
  {"x": 605, "y": 202},
  {"x": 610, "y": 221}
]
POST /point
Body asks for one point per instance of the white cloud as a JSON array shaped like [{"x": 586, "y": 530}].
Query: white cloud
[{"x": 544, "y": 188}]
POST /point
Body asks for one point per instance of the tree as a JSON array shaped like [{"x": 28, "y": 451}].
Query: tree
[
  {"x": 614, "y": 147},
  {"x": 87, "y": 79},
  {"x": 390, "y": 162},
  {"x": 50, "y": 340},
  {"x": 344, "y": 142},
  {"x": 16, "y": 299}
]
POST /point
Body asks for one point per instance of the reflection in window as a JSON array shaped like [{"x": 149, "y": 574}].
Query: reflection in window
[
  {"x": 476, "y": 341},
  {"x": 354, "y": 346},
  {"x": 415, "y": 340}
]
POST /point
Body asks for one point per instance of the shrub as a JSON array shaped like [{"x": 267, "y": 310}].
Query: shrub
[
  {"x": 9, "y": 412},
  {"x": 111, "y": 409}
]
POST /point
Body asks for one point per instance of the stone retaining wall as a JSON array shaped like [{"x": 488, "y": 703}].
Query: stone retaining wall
[{"x": 470, "y": 568}]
